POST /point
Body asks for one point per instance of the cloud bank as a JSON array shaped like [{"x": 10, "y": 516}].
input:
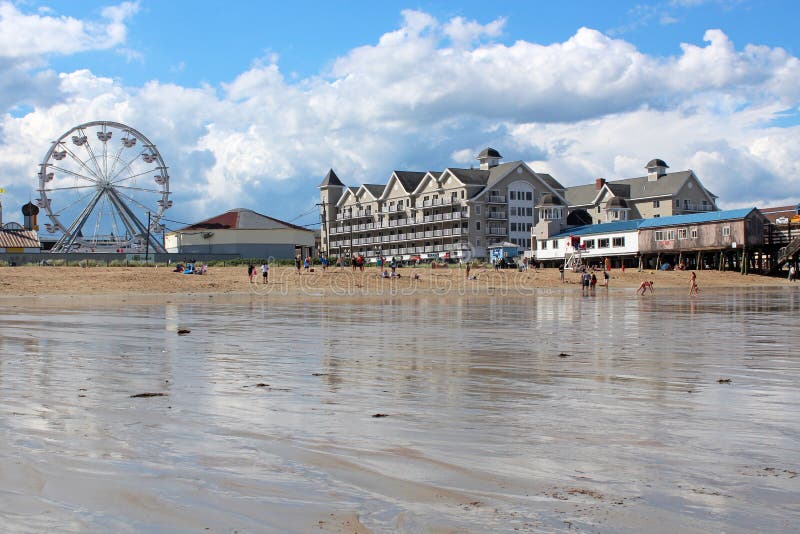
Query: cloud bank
[{"x": 425, "y": 95}]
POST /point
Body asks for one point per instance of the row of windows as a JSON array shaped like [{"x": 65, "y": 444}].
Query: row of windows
[
  {"x": 521, "y": 227},
  {"x": 525, "y": 243},
  {"x": 520, "y": 195},
  {"x": 589, "y": 243},
  {"x": 522, "y": 212},
  {"x": 684, "y": 233}
]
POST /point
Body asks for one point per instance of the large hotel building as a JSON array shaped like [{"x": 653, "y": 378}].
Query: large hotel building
[{"x": 459, "y": 213}]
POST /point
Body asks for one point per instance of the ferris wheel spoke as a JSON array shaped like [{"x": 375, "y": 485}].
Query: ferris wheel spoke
[
  {"x": 94, "y": 159},
  {"x": 145, "y": 208},
  {"x": 116, "y": 160},
  {"x": 47, "y": 190},
  {"x": 79, "y": 161},
  {"x": 71, "y": 204},
  {"x": 131, "y": 177},
  {"x": 158, "y": 191},
  {"x": 113, "y": 175},
  {"x": 73, "y": 173}
]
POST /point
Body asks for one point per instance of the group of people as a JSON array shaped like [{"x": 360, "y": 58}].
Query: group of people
[
  {"x": 252, "y": 272},
  {"x": 190, "y": 267},
  {"x": 588, "y": 279}
]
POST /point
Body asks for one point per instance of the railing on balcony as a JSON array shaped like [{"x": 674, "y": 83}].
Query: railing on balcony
[
  {"x": 496, "y": 215},
  {"x": 497, "y": 199},
  {"x": 497, "y": 231}
]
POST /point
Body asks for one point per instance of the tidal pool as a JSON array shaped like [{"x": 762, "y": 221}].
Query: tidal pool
[{"x": 503, "y": 413}]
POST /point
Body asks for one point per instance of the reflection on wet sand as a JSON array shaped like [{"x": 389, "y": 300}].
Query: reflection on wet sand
[{"x": 541, "y": 413}]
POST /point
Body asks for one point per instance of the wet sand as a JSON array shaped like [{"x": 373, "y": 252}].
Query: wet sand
[
  {"x": 540, "y": 413},
  {"x": 285, "y": 281}
]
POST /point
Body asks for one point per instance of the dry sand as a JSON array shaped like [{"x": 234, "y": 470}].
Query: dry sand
[{"x": 285, "y": 281}]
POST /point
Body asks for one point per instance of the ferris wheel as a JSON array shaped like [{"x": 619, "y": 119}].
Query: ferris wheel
[{"x": 101, "y": 184}]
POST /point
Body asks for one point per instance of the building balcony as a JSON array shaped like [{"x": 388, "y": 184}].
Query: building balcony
[
  {"x": 499, "y": 215},
  {"x": 496, "y": 199},
  {"x": 497, "y": 231}
]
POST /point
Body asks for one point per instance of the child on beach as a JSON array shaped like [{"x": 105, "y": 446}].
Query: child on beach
[
  {"x": 644, "y": 286},
  {"x": 265, "y": 271},
  {"x": 251, "y": 273},
  {"x": 693, "y": 289}
]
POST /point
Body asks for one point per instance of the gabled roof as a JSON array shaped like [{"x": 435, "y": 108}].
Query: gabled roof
[
  {"x": 549, "y": 180},
  {"x": 470, "y": 176},
  {"x": 376, "y": 190},
  {"x": 331, "y": 179},
  {"x": 19, "y": 239},
  {"x": 411, "y": 179},
  {"x": 657, "y": 222},
  {"x": 242, "y": 219},
  {"x": 640, "y": 187}
]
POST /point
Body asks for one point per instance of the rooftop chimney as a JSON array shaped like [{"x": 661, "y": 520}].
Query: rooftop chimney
[{"x": 599, "y": 183}]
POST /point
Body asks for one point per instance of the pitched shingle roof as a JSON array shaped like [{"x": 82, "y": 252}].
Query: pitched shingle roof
[
  {"x": 331, "y": 179},
  {"x": 19, "y": 239},
  {"x": 375, "y": 190},
  {"x": 242, "y": 219},
  {"x": 640, "y": 187},
  {"x": 411, "y": 179}
]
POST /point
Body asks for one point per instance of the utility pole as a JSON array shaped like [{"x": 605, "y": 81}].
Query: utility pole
[
  {"x": 324, "y": 221},
  {"x": 147, "y": 242}
]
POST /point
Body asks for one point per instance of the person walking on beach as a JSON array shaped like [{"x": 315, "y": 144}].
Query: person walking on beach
[
  {"x": 251, "y": 273},
  {"x": 561, "y": 272},
  {"x": 644, "y": 286},
  {"x": 393, "y": 266},
  {"x": 307, "y": 263},
  {"x": 593, "y": 282},
  {"x": 605, "y": 278},
  {"x": 265, "y": 271},
  {"x": 586, "y": 279},
  {"x": 693, "y": 289},
  {"x": 297, "y": 263},
  {"x": 469, "y": 267},
  {"x": 792, "y": 273}
]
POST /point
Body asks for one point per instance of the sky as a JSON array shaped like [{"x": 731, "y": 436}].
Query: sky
[{"x": 251, "y": 104}]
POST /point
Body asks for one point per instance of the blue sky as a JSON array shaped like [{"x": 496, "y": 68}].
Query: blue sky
[{"x": 252, "y": 102}]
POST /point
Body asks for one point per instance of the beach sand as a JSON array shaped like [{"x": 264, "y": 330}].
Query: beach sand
[{"x": 155, "y": 281}]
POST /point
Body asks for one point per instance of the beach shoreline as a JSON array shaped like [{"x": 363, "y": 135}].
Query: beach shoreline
[{"x": 161, "y": 283}]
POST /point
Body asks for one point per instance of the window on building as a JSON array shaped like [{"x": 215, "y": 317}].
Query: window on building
[
  {"x": 656, "y": 203},
  {"x": 618, "y": 242},
  {"x": 602, "y": 243},
  {"x": 694, "y": 233},
  {"x": 554, "y": 243},
  {"x": 529, "y": 212},
  {"x": 543, "y": 245},
  {"x": 477, "y": 210},
  {"x": 598, "y": 209},
  {"x": 686, "y": 204},
  {"x": 682, "y": 233},
  {"x": 513, "y": 227},
  {"x": 477, "y": 242},
  {"x": 726, "y": 231},
  {"x": 477, "y": 225},
  {"x": 677, "y": 203},
  {"x": 512, "y": 195},
  {"x": 589, "y": 243},
  {"x": 660, "y": 235},
  {"x": 705, "y": 204},
  {"x": 513, "y": 211},
  {"x": 462, "y": 194}
]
